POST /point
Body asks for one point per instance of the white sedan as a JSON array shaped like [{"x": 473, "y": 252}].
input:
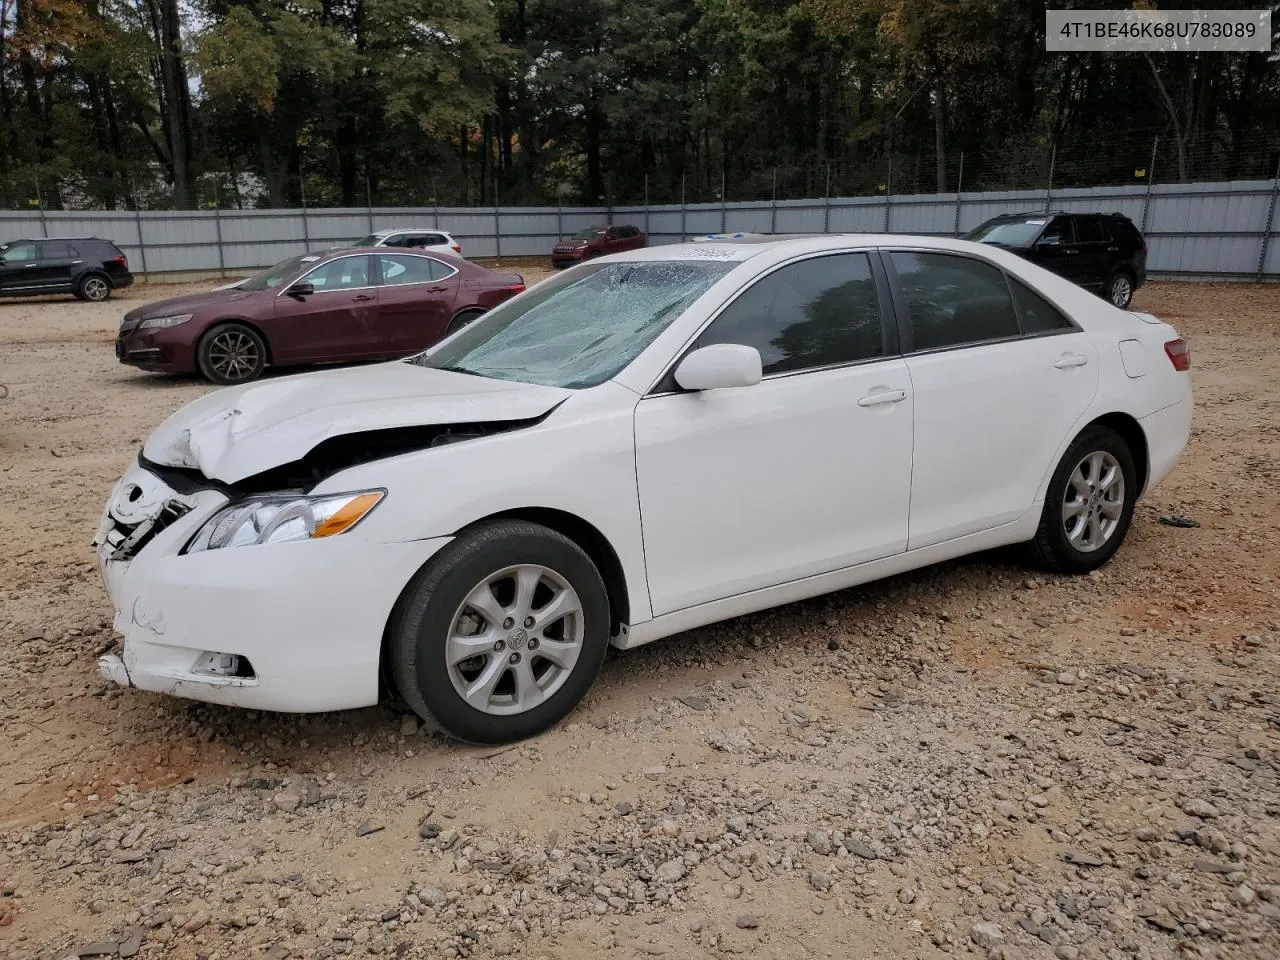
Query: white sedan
[{"x": 646, "y": 443}]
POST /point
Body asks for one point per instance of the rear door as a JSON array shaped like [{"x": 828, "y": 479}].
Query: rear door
[
  {"x": 1098, "y": 251},
  {"x": 416, "y": 297},
  {"x": 18, "y": 267},
  {"x": 336, "y": 322},
  {"x": 1000, "y": 379},
  {"x": 56, "y": 261}
]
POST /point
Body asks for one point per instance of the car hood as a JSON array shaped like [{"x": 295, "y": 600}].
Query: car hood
[
  {"x": 237, "y": 432},
  {"x": 189, "y": 303}
]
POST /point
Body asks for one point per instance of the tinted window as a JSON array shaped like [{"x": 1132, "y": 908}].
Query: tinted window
[
  {"x": 1009, "y": 233},
  {"x": 57, "y": 251},
  {"x": 340, "y": 274},
  {"x": 19, "y": 253},
  {"x": 398, "y": 270},
  {"x": 424, "y": 240},
  {"x": 1060, "y": 228},
  {"x": 1038, "y": 314},
  {"x": 953, "y": 300},
  {"x": 814, "y": 313},
  {"x": 1090, "y": 230}
]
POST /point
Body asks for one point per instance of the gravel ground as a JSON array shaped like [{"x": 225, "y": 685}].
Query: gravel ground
[{"x": 972, "y": 759}]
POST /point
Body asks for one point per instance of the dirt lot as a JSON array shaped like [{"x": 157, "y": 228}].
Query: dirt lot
[{"x": 972, "y": 758}]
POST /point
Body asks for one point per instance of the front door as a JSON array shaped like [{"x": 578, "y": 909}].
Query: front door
[
  {"x": 415, "y": 301},
  {"x": 1057, "y": 250},
  {"x": 1000, "y": 383},
  {"x": 18, "y": 268},
  {"x": 808, "y": 471},
  {"x": 338, "y": 321}
]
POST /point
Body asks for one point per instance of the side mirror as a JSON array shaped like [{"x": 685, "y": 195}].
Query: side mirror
[
  {"x": 719, "y": 365},
  {"x": 301, "y": 290}
]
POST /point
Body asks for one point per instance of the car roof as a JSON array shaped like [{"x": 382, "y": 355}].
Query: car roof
[
  {"x": 729, "y": 248},
  {"x": 387, "y": 233},
  {"x": 1057, "y": 213}
]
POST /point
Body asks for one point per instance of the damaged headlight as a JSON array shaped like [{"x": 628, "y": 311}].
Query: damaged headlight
[
  {"x": 159, "y": 323},
  {"x": 281, "y": 518}
]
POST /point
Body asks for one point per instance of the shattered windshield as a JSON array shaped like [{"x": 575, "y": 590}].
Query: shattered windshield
[
  {"x": 274, "y": 276},
  {"x": 578, "y": 329}
]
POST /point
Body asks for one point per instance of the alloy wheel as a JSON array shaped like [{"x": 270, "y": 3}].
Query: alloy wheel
[
  {"x": 233, "y": 355},
  {"x": 96, "y": 289},
  {"x": 1093, "y": 504},
  {"x": 1121, "y": 291}
]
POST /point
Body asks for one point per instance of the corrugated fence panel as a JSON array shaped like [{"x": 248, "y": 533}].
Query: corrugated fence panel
[{"x": 1204, "y": 228}]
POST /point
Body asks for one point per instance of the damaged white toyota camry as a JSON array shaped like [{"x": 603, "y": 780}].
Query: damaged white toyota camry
[{"x": 643, "y": 444}]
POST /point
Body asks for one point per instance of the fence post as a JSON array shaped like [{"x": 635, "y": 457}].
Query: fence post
[
  {"x": 1271, "y": 220},
  {"x": 217, "y": 225},
  {"x": 435, "y": 204},
  {"x": 684, "y": 230},
  {"x": 44, "y": 227},
  {"x": 1048, "y": 194},
  {"x": 724, "y": 208},
  {"x": 888, "y": 188},
  {"x": 959, "y": 186},
  {"x": 559, "y": 216},
  {"x": 142, "y": 247},
  {"x": 1151, "y": 172},
  {"x": 773, "y": 204},
  {"x": 368, "y": 200},
  {"x": 826, "y": 203},
  {"x": 302, "y": 192},
  {"x": 497, "y": 220},
  {"x": 646, "y": 204}
]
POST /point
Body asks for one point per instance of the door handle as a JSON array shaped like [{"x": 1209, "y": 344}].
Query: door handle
[
  {"x": 1070, "y": 250},
  {"x": 1077, "y": 360},
  {"x": 29, "y": 266},
  {"x": 437, "y": 289},
  {"x": 875, "y": 399},
  {"x": 362, "y": 297}
]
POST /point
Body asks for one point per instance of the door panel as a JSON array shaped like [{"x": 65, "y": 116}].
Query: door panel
[
  {"x": 1096, "y": 251},
  {"x": 746, "y": 488},
  {"x": 55, "y": 265},
  {"x": 416, "y": 299},
  {"x": 1063, "y": 258},
  {"x": 337, "y": 322},
  {"x": 18, "y": 268}
]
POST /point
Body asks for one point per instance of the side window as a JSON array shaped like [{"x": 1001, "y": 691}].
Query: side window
[
  {"x": 814, "y": 313},
  {"x": 952, "y": 301},
  {"x": 57, "y": 251},
  {"x": 1059, "y": 227},
  {"x": 1089, "y": 230},
  {"x": 340, "y": 274},
  {"x": 398, "y": 270},
  {"x": 1038, "y": 314},
  {"x": 20, "y": 253},
  {"x": 433, "y": 240},
  {"x": 440, "y": 271},
  {"x": 395, "y": 240}
]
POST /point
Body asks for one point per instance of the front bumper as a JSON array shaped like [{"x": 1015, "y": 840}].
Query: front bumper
[{"x": 307, "y": 616}]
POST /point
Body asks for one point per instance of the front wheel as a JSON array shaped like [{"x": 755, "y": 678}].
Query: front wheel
[
  {"x": 501, "y": 634},
  {"x": 1120, "y": 291},
  {"x": 231, "y": 353},
  {"x": 1089, "y": 503}
]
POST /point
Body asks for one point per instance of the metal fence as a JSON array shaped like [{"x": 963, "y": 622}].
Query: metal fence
[{"x": 1216, "y": 230}]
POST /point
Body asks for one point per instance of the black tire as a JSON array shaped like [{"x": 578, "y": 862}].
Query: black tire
[
  {"x": 465, "y": 318},
  {"x": 231, "y": 353},
  {"x": 425, "y": 614},
  {"x": 1119, "y": 290},
  {"x": 1052, "y": 547},
  {"x": 94, "y": 288}
]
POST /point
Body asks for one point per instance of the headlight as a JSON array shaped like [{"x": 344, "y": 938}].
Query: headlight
[
  {"x": 281, "y": 518},
  {"x": 159, "y": 323}
]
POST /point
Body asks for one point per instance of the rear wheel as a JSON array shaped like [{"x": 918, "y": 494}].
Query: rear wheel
[
  {"x": 231, "y": 353},
  {"x": 1120, "y": 290},
  {"x": 501, "y": 634},
  {"x": 465, "y": 318},
  {"x": 1089, "y": 504},
  {"x": 95, "y": 288}
]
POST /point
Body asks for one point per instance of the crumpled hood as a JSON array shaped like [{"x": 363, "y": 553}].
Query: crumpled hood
[
  {"x": 237, "y": 432},
  {"x": 188, "y": 304}
]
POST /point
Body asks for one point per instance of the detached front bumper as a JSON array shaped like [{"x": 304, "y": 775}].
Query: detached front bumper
[{"x": 304, "y": 619}]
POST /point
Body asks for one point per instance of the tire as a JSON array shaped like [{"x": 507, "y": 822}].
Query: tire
[
  {"x": 94, "y": 288},
  {"x": 429, "y": 629},
  {"x": 1119, "y": 290},
  {"x": 465, "y": 318},
  {"x": 1060, "y": 544},
  {"x": 231, "y": 353}
]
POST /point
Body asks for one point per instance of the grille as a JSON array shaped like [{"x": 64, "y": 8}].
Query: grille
[{"x": 126, "y": 540}]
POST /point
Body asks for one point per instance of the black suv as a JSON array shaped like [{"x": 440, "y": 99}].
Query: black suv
[
  {"x": 1103, "y": 252},
  {"x": 86, "y": 266}
]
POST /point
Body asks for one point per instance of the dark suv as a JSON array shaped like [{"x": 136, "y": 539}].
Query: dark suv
[
  {"x": 1103, "y": 252},
  {"x": 88, "y": 267}
]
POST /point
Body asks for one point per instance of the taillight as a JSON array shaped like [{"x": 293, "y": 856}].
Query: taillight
[
  {"x": 1179, "y": 354},
  {"x": 122, "y": 260},
  {"x": 516, "y": 288},
  {"x": 457, "y": 248}
]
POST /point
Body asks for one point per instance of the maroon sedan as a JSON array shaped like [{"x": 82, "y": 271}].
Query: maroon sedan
[
  {"x": 596, "y": 242},
  {"x": 339, "y": 305}
]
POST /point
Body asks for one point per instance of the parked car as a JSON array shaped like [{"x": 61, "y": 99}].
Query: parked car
[
  {"x": 643, "y": 444},
  {"x": 88, "y": 267},
  {"x": 354, "y": 304},
  {"x": 1103, "y": 252},
  {"x": 597, "y": 242},
  {"x": 414, "y": 238}
]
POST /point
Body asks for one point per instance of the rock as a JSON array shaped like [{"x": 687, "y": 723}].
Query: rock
[
  {"x": 1008, "y": 809},
  {"x": 1196, "y": 807},
  {"x": 132, "y": 943},
  {"x": 986, "y": 934},
  {"x": 860, "y": 849},
  {"x": 731, "y": 890},
  {"x": 1066, "y": 678},
  {"x": 101, "y": 948},
  {"x": 432, "y": 896},
  {"x": 196, "y": 921},
  {"x": 1067, "y": 952},
  {"x": 367, "y": 828},
  {"x": 655, "y": 773},
  {"x": 1210, "y": 866},
  {"x": 671, "y": 871},
  {"x": 820, "y": 842},
  {"x": 1243, "y": 895},
  {"x": 695, "y": 703},
  {"x": 1146, "y": 834},
  {"x": 1079, "y": 859},
  {"x": 428, "y": 830},
  {"x": 287, "y": 800},
  {"x": 278, "y": 952},
  {"x": 819, "y": 881},
  {"x": 907, "y": 895},
  {"x": 746, "y": 923},
  {"x": 409, "y": 724}
]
